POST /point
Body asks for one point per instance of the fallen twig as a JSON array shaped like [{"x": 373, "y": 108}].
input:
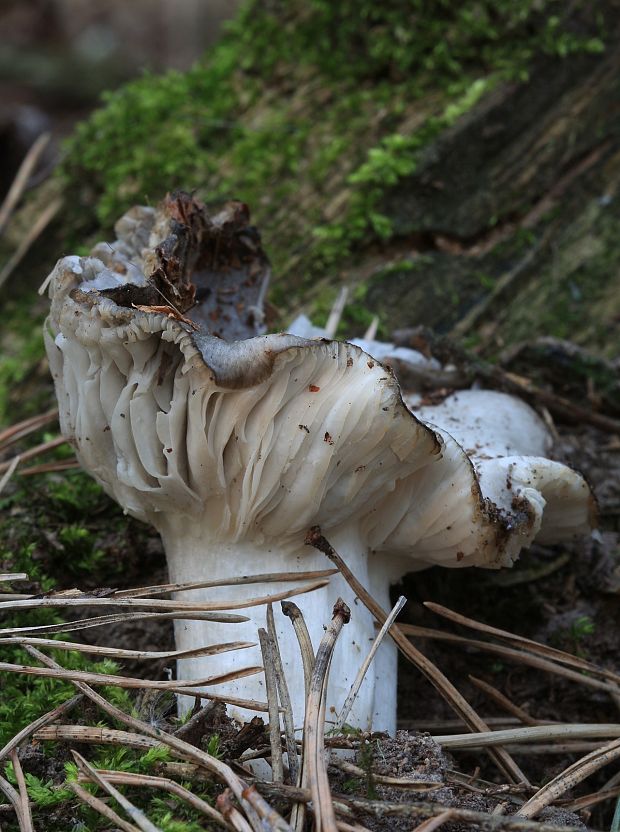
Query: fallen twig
[
  {"x": 285, "y": 699},
  {"x": 125, "y": 778},
  {"x": 99, "y": 806},
  {"x": 26, "y": 814},
  {"x": 293, "y": 612},
  {"x": 271, "y": 686},
  {"x": 502, "y": 700},
  {"x": 212, "y": 764},
  {"x": 39, "y": 723},
  {"x": 19, "y": 430},
  {"x": 125, "y": 681},
  {"x": 348, "y": 704},
  {"x": 74, "y": 598},
  {"x": 432, "y": 673},
  {"x": 410, "y": 784},
  {"x": 122, "y": 653},
  {"x": 137, "y": 815},
  {"x": 543, "y": 650},
  {"x": 126, "y": 617},
  {"x": 569, "y": 778},
  {"x": 241, "y": 580},
  {"x": 518, "y": 656},
  {"x": 314, "y": 726},
  {"x": 20, "y": 182},
  {"x": 529, "y": 734},
  {"x": 34, "y": 231},
  {"x": 43, "y": 448}
]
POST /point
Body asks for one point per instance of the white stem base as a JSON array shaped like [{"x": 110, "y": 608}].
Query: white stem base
[{"x": 200, "y": 560}]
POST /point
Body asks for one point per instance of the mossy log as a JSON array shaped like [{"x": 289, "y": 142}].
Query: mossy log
[{"x": 457, "y": 167}]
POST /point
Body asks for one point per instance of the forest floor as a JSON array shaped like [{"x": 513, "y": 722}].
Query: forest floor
[{"x": 564, "y": 596}]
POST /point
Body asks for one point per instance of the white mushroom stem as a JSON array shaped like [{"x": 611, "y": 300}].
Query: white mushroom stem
[{"x": 193, "y": 557}]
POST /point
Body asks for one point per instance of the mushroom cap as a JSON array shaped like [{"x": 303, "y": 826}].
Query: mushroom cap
[
  {"x": 508, "y": 444},
  {"x": 487, "y": 423},
  {"x": 257, "y": 436}
]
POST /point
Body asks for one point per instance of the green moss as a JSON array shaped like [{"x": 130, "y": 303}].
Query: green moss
[
  {"x": 395, "y": 158},
  {"x": 305, "y": 111},
  {"x": 395, "y": 39},
  {"x": 21, "y": 358}
]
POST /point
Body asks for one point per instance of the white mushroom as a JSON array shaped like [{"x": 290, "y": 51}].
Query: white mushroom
[
  {"x": 383, "y": 351},
  {"x": 508, "y": 444},
  {"x": 232, "y": 450}
]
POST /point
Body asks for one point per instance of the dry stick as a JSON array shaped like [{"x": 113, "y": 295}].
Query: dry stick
[
  {"x": 230, "y": 813},
  {"x": 116, "y": 618},
  {"x": 50, "y": 467},
  {"x": 4, "y": 481},
  {"x": 571, "y": 747},
  {"x": 430, "y": 824},
  {"x": 424, "y": 665},
  {"x": 285, "y": 699},
  {"x": 186, "y": 750},
  {"x": 293, "y": 612},
  {"x": 350, "y": 827},
  {"x": 20, "y": 182},
  {"x": 15, "y": 799},
  {"x": 519, "y": 656},
  {"x": 174, "y": 687},
  {"x": 371, "y": 332},
  {"x": 87, "y": 600},
  {"x": 422, "y": 809},
  {"x": 314, "y": 725},
  {"x": 503, "y": 701},
  {"x": 569, "y": 778},
  {"x": 271, "y": 685},
  {"x": 39, "y": 723},
  {"x": 543, "y": 650},
  {"x": 43, "y": 448},
  {"x": 19, "y": 430},
  {"x": 336, "y": 312},
  {"x": 99, "y": 806},
  {"x": 383, "y": 780},
  {"x": 588, "y": 800},
  {"x": 125, "y": 778},
  {"x": 348, "y": 704},
  {"x": 126, "y": 681},
  {"x": 95, "y": 735},
  {"x": 271, "y": 819},
  {"x": 557, "y": 404},
  {"x": 34, "y": 231},
  {"x": 7, "y": 577},
  {"x": 121, "y": 653},
  {"x": 23, "y": 792},
  {"x": 433, "y": 726},
  {"x": 242, "y": 580},
  {"x": 521, "y": 735}
]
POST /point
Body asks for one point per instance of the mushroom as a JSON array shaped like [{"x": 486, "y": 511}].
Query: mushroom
[{"x": 232, "y": 444}]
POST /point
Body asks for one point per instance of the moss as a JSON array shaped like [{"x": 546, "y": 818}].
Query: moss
[
  {"x": 397, "y": 39},
  {"x": 307, "y": 111},
  {"x": 21, "y": 359},
  {"x": 572, "y": 293},
  {"x": 395, "y": 158}
]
